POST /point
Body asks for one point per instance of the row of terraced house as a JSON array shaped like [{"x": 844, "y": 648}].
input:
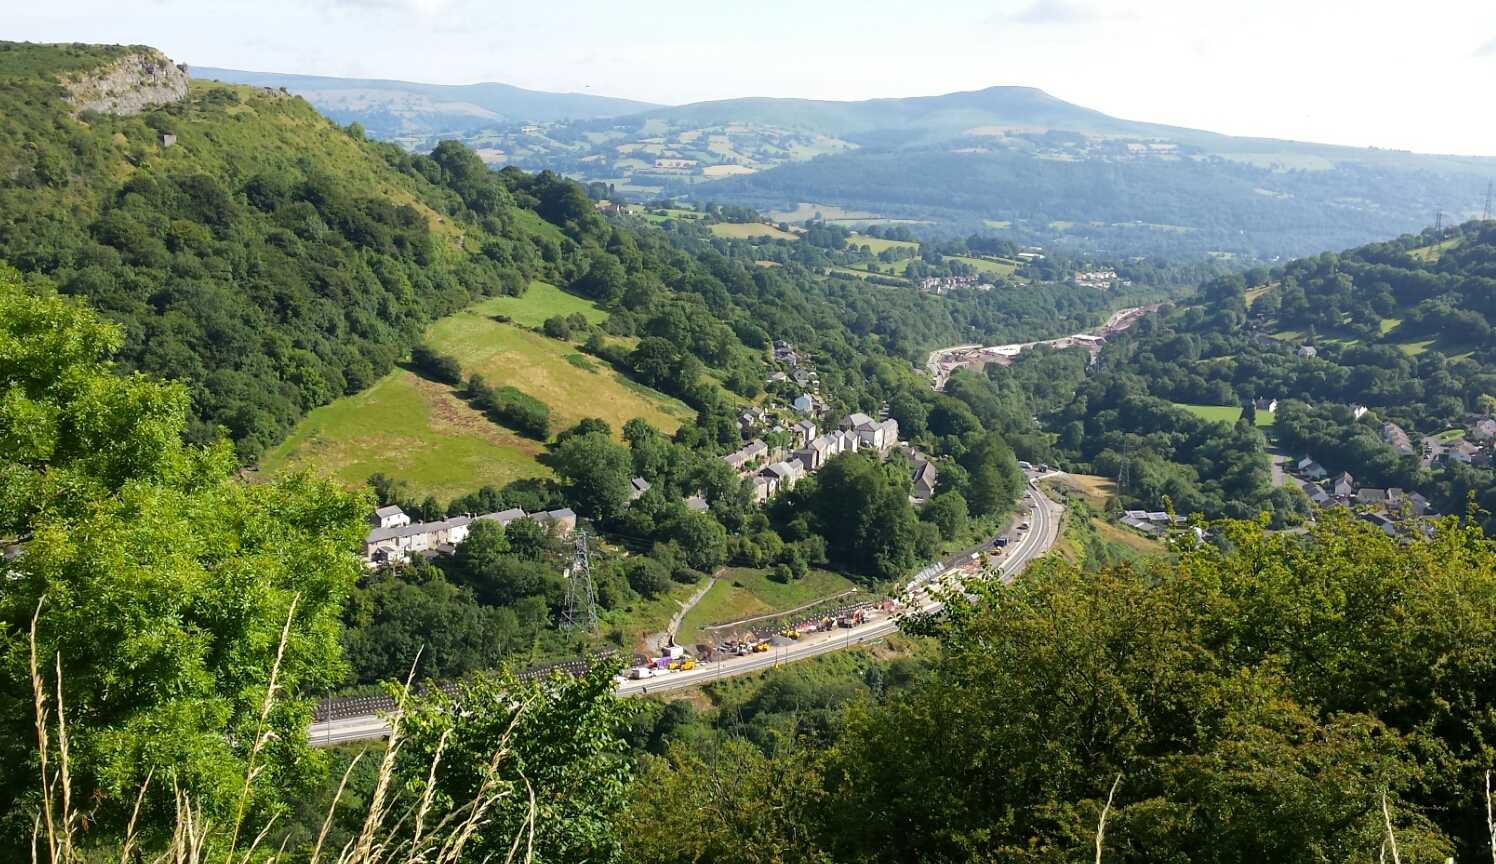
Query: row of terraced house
[
  {"x": 774, "y": 469},
  {"x": 394, "y": 538}
]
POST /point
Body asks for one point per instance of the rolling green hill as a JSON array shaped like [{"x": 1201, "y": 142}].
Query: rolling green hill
[
  {"x": 1051, "y": 173},
  {"x": 252, "y": 249}
]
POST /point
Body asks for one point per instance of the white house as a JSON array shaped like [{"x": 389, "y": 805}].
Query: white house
[
  {"x": 390, "y": 516},
  {"x": 873, "y": 433},
  {"x": 806, "y": 403},
  {"x": 1307, "y": 351}
]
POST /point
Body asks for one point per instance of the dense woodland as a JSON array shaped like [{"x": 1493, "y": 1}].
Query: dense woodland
[{"x": 165, "y": 627}]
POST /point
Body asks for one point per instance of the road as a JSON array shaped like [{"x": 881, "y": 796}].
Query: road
[{"x": 1043, "y": 531}]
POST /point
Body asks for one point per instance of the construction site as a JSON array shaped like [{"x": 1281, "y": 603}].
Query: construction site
[
  {"x": 976, "y": 357},
  {"x": 760, "y": 636}
]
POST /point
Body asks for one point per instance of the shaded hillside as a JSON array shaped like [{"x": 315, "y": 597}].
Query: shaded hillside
[{"x": 1148, "y": 205}]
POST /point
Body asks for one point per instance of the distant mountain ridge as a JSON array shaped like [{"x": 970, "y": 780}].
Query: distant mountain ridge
[
  {"x": 390, "y": 108},
  {"x": 1017, "y": 161}
]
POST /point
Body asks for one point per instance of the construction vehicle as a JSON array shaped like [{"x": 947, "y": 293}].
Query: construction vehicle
[
  {"x": 687, "y": 665},
  {"x": 792, "y": 634},
  {"x": 760, "y": 647}
]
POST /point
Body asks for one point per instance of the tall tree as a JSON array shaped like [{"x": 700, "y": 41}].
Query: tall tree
[
  {"x": 163, "y": 586},
  {"x": 595, "y": 472}
]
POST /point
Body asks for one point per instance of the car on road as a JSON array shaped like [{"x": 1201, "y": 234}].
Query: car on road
[{"x": 1023, "y": 527}]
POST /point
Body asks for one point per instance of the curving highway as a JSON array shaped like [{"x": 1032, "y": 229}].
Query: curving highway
[{"x": 1043, "y": 518}]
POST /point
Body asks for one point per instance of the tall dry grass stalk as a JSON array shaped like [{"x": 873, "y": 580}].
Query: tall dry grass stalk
[
  {"x": 1101, "y": 825},
  {"x": 388, "y": 834},
  {"x": 1391, "y": 837},
  {"x": 1490, "y": 818}
]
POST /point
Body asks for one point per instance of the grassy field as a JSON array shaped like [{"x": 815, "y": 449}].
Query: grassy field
[
  {"x": 828, "y": 212},
  {"x": 759, "y": 595},
  {"x": 985, "y": 265},
  {"x": 748, "y": 231},
  {"x": 421, "y": 432},
  {"x": 1094, "y": 490},
  {"x": 1225, "y": 413},
  {"x": 505, "y": 354},
  {"x": 878, "y": 244},
  {"x": 542, "y": 301},
  {"x": 406, "y": 427}
]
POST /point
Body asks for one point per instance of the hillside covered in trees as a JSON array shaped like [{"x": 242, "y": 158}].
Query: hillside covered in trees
[
  {"x": 252, "y": 249},
  {"x": 1397, "y": 328}
]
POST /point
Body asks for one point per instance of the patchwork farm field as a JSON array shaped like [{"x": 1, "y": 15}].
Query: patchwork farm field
[
  {"x": 984, "y": 265},
  {"x": 750, "y": 230}
]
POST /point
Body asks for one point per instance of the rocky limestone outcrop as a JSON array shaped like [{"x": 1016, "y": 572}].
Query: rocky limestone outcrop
[{"x": 129, "y": 85}]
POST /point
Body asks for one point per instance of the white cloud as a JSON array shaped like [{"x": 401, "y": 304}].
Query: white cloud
[
  {"x": 1051, "y": 12},
  {"x": 1486, "y": 50}
]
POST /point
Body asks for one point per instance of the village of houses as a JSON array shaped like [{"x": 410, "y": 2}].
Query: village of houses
[
  {"x": 1385, "y": 508},
  {"x": 798, "y": 449}
]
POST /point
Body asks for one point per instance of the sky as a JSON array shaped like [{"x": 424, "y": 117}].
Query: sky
[{"x": 1403, "y": 75}]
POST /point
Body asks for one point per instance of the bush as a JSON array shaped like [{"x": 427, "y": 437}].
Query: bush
[
  {"x": 505, "y": 405},
  {"x": 440, "y": 367},
  {"x": 647, "y": 576}
]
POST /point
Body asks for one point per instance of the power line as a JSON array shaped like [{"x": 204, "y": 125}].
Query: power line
[{"x": 579, "y": 589}]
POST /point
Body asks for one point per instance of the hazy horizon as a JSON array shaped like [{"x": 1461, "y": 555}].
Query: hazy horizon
[{"x": 1336, "y": 72}]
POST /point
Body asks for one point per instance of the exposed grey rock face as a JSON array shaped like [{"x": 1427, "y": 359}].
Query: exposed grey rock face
[{"x": 129, "y": 85}]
